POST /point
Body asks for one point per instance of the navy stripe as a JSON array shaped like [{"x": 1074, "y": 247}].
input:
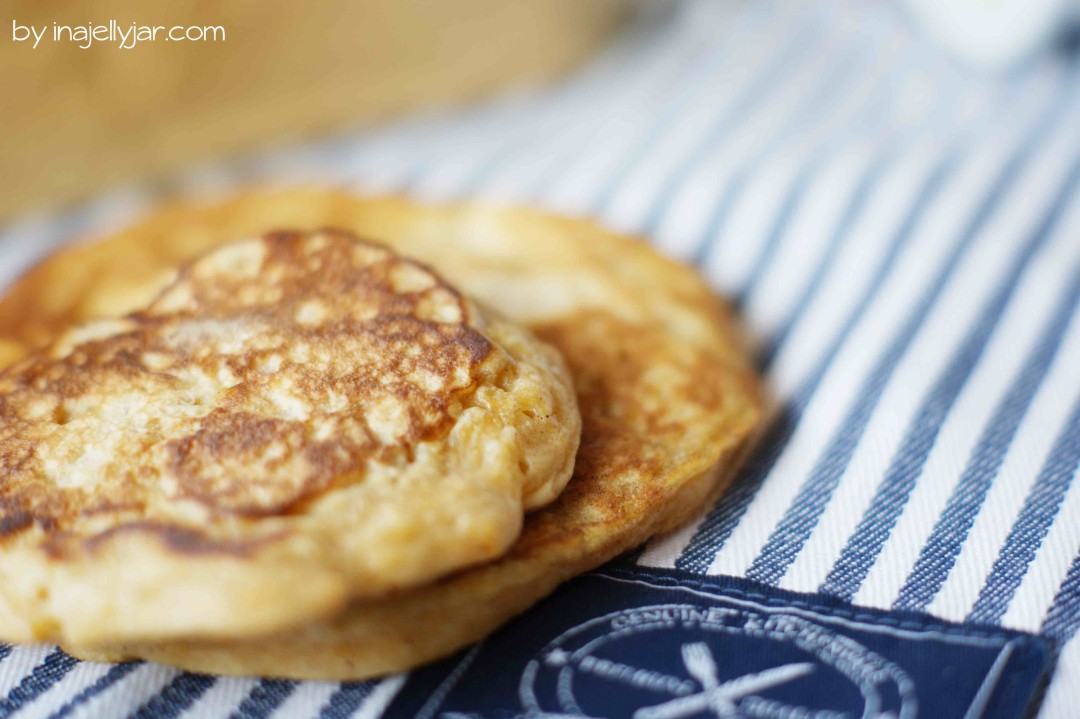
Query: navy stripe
[
  {"x": 576, "y": 151},
  {"x": 712, "y": 139},
  {"x": 873, "y": 531},
  {"x": 180, "y": 694},
  {"x": 1063, "y": 619},
  {"x": 40, "y": 680},
  {"x": 792, "y": 200},
  {"x": 868, "y": 180},
  {"x": 773, "y": 237},
  {"x": 267, "y": 696},
  {"x": 939, "y": 555},
  {"x": 802, "y": 515},
  {"x": 787, "y": 540},
  {"x": 721, "y": 522},
  {"x": 713, "y": 57},
  {"x": 672, "y": 114},
  {"x": 463, "y": 123},
  {"x": 106, "y": 680},
  {"x": 5, "y": 650},
  {"x": 488, "y": 119},
  {"x": 737, "y": 110},
  {"x": 817, "y": 100},
  {"x": 346, "y": 700},
  {"x": 718, "y": 525},
  {"x": 1026, "y": 536}
]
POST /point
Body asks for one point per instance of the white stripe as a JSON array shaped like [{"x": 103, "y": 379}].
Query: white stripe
[
  {"x": 974, "y": 407},
  {"x": 822, "y": 321},
  {"x": 307, "y": 699},
  {"x": 815, "y": 332},
  {"x": 1049, "y": 409},
  {"x": 750, "y": 53},
  {"x": 380, "y": 162},
  {"x": 817, "y": 213},
  {"x": 1044, "y": 577},
  {"x": 822, "y": 210},
  {"x": 977, "y": 278},
  {"x": 380, "y": 698},
  {"x": 128, "y": 694},
  {"x": 937, "y": 232},
  {"x": 924, "y": 251},
  {"x": 516, "y": 180},
  {"x": 25, "y": 242},
  {"x": 854, "y": 267},
  {"x": 685, "y": 219},
  {"x": 113, "y": 212},
  {"x": 813, "y": 224},
  {"x": 80, "y": 677},
  {"x": 1063, "y": 696},
  {"x": 886, "y": 209},
  {"x": 742, "y": 240},
  {"x": 206, "y": 180},
  {"x": 380, "y": 159},
  {"x": 616, "y": 138},
  {"x": 20, "y": 663}
]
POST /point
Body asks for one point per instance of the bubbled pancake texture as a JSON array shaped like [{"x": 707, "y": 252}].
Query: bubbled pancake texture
[{"x": 299, "y": 399}]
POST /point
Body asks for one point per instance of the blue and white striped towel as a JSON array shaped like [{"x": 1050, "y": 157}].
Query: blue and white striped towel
[{"x": 903, "y": 238}]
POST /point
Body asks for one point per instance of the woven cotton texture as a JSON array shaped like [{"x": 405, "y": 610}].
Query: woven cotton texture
[{"x": 902, "y": 237}]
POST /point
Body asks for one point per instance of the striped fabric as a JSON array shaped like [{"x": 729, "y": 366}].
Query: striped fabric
[{"x": 903, "y": 239}]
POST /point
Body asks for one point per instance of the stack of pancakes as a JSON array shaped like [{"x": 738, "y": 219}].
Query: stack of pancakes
[{"x": 244, "y": 450}]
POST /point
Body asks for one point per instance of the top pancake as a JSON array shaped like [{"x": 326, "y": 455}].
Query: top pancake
[{"x": 294, "y": 421}]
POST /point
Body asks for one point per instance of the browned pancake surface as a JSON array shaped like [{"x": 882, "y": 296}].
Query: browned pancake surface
[{"x": 304, "y": 400}]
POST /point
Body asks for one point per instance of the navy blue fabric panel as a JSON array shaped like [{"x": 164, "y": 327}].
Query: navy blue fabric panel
[{"x": 666, "y": 644}]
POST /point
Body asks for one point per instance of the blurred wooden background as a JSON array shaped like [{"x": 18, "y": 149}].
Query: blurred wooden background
[{"x": 76, "y": 122}]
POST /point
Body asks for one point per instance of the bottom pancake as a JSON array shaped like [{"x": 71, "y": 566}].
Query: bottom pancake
[
  {"x": 372, "y": 640},
  {"x": 667, "y": 400}
]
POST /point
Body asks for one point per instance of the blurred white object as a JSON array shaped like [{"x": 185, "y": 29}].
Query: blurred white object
[{"x": 994, "y": 34}]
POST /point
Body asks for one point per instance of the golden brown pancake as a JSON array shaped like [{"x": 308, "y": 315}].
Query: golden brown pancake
[
  {"x": 294, "y": 421},
  {"x": 666, "y": 395}
]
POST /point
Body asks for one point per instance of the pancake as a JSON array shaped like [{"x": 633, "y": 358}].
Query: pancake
[
  {"x": 295, "y": 421},
  {"x": 667, "y": 399}
]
